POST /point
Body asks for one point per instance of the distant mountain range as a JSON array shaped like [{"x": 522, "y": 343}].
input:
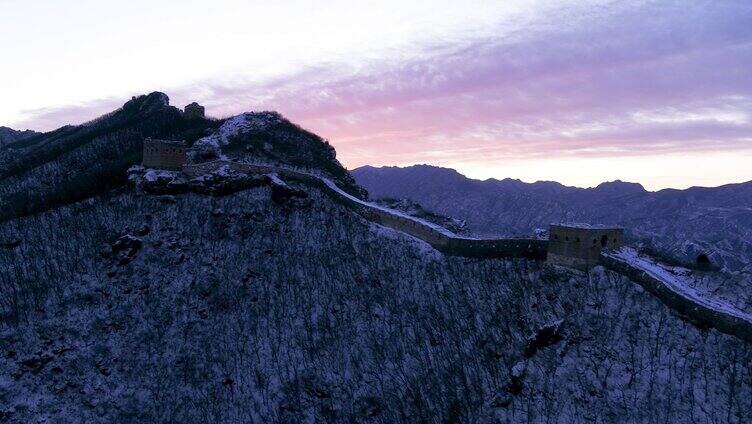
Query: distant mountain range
[
  {"x": 682, "y": 224},
  {"x": 9, "y": 135}
]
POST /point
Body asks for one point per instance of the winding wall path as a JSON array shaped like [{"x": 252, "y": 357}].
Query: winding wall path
[
  {"x": 439, "y": 237},
  {"x": 667, "y": 287}
]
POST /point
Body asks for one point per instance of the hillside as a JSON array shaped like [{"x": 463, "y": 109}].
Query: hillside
[
  {"x": 77, "y": 162},
  {"x": 238, "y": 309},
  {"x": 269, "y": 138},
  {"x": 679, "y": 223},
  {"x": 9, "y": 135},
  {"x": 229, "y": 302}
]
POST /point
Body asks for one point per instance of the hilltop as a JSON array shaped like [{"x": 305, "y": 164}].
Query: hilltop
[{"x": 77, "y": 162}]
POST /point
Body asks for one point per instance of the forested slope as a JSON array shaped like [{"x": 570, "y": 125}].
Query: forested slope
[{"x": 133, "y": 308}]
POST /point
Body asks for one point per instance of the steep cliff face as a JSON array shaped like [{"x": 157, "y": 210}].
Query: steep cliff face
[{"x": 681, "y": 223}]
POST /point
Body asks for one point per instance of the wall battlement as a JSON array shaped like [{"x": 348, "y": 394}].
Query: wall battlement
[{"x": 725, "y": 319}]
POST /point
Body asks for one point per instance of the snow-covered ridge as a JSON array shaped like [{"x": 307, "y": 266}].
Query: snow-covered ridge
[
  {"x": 390, "y": 211},
  {"x": 238, "y": 124},
  {"x": 274, "y": 171}
]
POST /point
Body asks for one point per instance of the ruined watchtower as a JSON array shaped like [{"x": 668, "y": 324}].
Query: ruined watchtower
[
  {"x": 579, "y": 245},
  {"x": 164, "y": 154},
  {"x": 193, "y": 111}
]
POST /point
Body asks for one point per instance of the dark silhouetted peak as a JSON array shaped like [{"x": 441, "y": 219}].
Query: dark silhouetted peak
[
  {"x": 9, "y": 135},
  {"x": 94, "y": 155},
  {"x": 620, "y": 187},
  {"x": 147, "y": 103},
  {"x": 415, "y": 172}
]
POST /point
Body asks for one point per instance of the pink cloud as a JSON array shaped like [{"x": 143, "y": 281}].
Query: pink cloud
[{"x": 579, "y": 89}]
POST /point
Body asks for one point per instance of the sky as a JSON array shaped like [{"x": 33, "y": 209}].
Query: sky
[{"x": 580, "y": 92}]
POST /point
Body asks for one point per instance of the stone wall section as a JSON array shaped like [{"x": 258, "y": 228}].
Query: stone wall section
[
  {"x": 723, "y": 321},
  {"x": 441, "y": 241}
]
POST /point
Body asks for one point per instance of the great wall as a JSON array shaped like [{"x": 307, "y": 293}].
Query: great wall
[
  {"x": 668, "y": 288},
  {"x": 438, "y": 237}
]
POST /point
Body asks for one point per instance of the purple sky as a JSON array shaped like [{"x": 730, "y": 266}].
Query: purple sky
[{"x": 654, "y": 92}]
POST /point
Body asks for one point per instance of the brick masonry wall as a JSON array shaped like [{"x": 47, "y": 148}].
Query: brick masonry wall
[
  {"x": 163, "y": 156},
  {"x": 580, "y": 247}
]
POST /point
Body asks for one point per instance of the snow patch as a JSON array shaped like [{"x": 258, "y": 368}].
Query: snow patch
[
  {"x": 154, "y": 175},
  {"x": 394, "y": 212},
  {"x": 238, "y": 124}
]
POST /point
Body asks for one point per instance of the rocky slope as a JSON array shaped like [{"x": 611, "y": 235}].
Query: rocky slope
[
  {"x": 268, "y": 138},
  {"x": 678, "y": 223},
  {"x": 226, "y": 302}
]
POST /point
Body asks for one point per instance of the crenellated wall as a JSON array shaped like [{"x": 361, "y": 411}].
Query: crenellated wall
[{"x": 453, "y": 245}]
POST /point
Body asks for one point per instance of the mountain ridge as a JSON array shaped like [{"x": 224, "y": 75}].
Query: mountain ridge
[
  {"x": 9, "y": 135},
  {"x": 371, "y": 168},
  {"x": 77, "y": 162}
]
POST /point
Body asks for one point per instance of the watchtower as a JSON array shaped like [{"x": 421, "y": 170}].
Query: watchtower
[
  {"x": 579, "y": 245},
  {"x": 164, "y": 154},
  {"x": 193, "y": 111}
]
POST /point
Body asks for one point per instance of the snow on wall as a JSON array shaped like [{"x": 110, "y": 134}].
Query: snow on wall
[{"x": 675, "y": 291}]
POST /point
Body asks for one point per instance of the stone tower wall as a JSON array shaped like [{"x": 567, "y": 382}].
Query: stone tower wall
[
  {"x": 580, "y": 247},
  {"x": 162, "y": 154}
]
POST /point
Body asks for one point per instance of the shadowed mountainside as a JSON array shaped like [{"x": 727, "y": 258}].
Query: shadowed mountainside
[
  {"x": 76, "y": 162},
  {"x": 188, "y": 308},
  {"x": 9, "y": 135}
]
